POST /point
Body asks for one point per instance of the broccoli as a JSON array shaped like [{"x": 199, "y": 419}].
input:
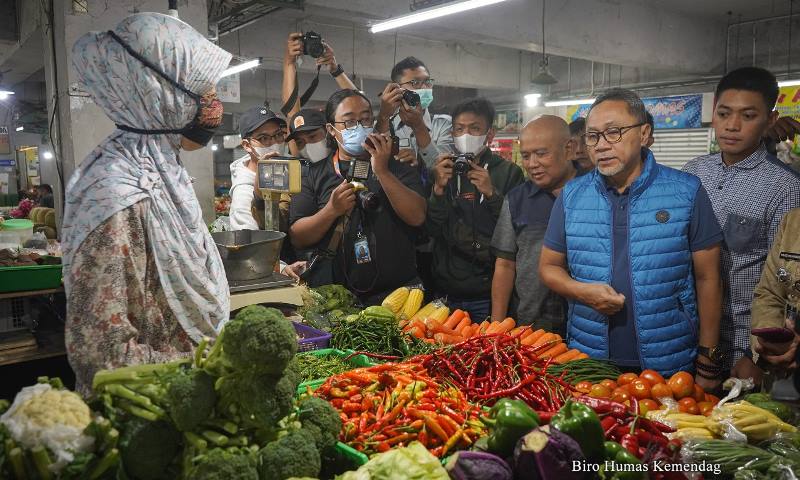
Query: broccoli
[
  {"x": 257, "y": 337},
  {"x": 321, "y": 420},
  {"x": 190, "y": 397},
  {"x": 258, "y": 400},
  {"x": 148, "y": 448},
  {"x": 293, "y": 372},
  {"x": 219, "y": 464},
  {"x": 293, "y": 455}
]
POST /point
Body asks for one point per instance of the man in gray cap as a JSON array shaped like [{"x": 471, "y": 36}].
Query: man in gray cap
[{"x": 263, "y": 136}]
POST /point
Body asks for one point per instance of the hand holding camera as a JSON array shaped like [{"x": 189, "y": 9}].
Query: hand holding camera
[
  {"x": 391, "y": 97},
  {"x": 479, "y": 176},
  {"x": 294, "y": 48},
  {"x": 381, "y": 148},
  {"x": 342, "y": 199},
  {"x": 443, "y": 172}
]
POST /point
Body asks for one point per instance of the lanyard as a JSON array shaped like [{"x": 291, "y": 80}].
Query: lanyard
[{"x": 336, "y": 163}]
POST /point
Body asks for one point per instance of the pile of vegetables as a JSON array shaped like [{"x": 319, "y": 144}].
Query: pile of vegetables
[
  {"x": 394, "y": 404},
  {"x": 375, "y": 330},
  {"x": 228, "y": 414},
  {"x": 49, "y": 432},
  {"x": 778, "y": 460},
  {"x": 313, "y": 367},
  {"x": 490, "y": 367},
  {"x": 324, "y": 304},
  {"x": 585, "y": 370}
]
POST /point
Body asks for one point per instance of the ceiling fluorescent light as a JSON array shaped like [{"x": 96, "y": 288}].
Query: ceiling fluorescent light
[
  {"x": 576, "y": 101},
  {"x": 430, "y": 14},
  {"x": 241, "y": 67},
  {"x": 20, "y": 128},
  {"x": 5, "y": 93},
  {"x": 789, "y": 83},
  {"x": 532, "y": 99}
]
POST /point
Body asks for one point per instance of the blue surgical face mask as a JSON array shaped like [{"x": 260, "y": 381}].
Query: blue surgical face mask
[
  {"x": 353, "y": 139},
  {"x": 425, "y": 97}
]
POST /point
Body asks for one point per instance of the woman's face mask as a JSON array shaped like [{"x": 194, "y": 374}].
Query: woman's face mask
[{"x": 209, "y": 120}]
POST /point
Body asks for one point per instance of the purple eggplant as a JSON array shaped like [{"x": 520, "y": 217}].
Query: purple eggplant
[
  {"x": 547, "y": 454},
  {"x": 478, "y": 466}
]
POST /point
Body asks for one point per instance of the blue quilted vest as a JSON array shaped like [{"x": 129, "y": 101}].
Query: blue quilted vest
[{"x": 660, "y": 265}]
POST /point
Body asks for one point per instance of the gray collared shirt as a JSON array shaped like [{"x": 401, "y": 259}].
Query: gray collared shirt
[
  {"x": 749, "y": 200},
  {"x": 440, "y": 128}
]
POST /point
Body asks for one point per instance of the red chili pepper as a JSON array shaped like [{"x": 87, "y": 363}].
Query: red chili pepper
[
  {"x": 545, "y": 417},
  {"x": 655, "y": 427},
  {"x": 383, "y": 447},
  {"x": 630, "y": 443},
  {"x": 350, "y": 407},
  {"x": 605, "y": 406},
  {"x": 608, "y": 423}
]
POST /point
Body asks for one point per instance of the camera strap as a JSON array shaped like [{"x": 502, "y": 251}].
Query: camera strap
[{"x": 287, "y": 107}]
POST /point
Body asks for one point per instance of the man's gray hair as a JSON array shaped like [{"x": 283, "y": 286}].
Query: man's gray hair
[{"x": 635, "y": 104}]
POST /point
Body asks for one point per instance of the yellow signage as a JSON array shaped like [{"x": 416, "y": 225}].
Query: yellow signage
[{"x": 789, "y": 102}]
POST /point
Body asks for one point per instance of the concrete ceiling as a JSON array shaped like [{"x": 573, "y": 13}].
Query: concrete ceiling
[{"x": 718, "y": 9}]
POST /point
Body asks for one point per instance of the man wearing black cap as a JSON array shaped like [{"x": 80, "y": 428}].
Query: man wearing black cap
[
  {"x": 307, "y": 130},
  {"x": 263, "y": 136}
]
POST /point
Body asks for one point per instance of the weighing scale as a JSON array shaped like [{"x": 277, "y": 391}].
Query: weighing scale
[{"x": 252, "y": 280}]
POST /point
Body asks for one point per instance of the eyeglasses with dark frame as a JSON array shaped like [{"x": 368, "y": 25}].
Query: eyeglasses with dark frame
[
  {"x": 416, "y": 83},
  {"x": 351, "y": 124},
  {"x": 611, "y": 135},
  {"x": 276, "y": 138}
]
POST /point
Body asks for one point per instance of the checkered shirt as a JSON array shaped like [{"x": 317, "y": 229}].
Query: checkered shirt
[{"x": 751, "y": 197}]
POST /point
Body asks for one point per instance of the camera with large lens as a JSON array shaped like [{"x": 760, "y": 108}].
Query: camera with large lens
[
  {"x": 461, "y": 163},
  {"x": 411, "y": 98},
  {"x": 357, "y": 175},
  {"x": 312, "y": 44}
]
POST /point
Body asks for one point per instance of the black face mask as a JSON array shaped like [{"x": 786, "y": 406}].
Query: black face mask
[{"x": 193, "y": 130}]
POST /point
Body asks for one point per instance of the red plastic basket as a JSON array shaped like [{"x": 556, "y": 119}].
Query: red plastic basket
[{"x": 311, "y": 338}]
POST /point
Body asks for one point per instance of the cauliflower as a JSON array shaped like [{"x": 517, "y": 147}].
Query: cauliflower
[{"x": 56, "y": 419}]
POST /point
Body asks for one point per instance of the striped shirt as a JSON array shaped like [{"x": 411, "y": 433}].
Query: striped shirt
[{"x": 749, "y": 199}]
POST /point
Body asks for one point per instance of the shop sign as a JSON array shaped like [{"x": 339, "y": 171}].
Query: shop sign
[
  {"x": 5, "y": 142},
  {"x": 679, "y": 111},
  {"x": 789, "y": 102}
]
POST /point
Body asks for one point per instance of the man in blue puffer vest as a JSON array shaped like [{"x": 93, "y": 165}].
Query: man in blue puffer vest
[{"x": 629, "y": 245}]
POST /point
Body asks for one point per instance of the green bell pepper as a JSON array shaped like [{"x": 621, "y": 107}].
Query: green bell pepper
[
  {"x": 581, "y": 423},
  {"x": 616, "y": 453},
  {"x": 509, "y": 420}
]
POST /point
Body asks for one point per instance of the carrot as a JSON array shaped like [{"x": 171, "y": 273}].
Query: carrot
[
  {"x": 505, "y": 325},
  {"x": 566, "y": 357},
  {"x": 454, "y": 318},
  {"x": 417, "y": 332},
  {"x": 546, "y": 338},
  {"x": 531, "y": 339},
  {"x": 445, "y": 338},
  {"x": 581, "y": 356},
  {"x": 484, "y": 326},
  {"x": 554, "y": 351},
  {"x": 465, "y": 322},
  {"x": 517, "y": 331},
  {"x": 493, "y": 327},
  {"x": 437, "y": 327},
  {"x": 527, "y": 332}
]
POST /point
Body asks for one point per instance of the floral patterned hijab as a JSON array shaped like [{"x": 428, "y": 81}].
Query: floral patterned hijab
[{"x": 129, "y": 167}]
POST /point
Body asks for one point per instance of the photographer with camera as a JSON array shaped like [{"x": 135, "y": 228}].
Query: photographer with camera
[
  {"x": 464, "y": 207},
  {"x": 404, "y": 105},
  {"x": 358, "y": 208},
  {"x": 310, "y": 44}
]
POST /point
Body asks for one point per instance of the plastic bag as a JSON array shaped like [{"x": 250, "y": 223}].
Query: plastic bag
[
  {"x": 37, "y": 242},
  {"x": 221, "y": 224},
  {"x": 737, "y": 387}
]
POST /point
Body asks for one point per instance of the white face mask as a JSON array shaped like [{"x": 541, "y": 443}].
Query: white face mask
[
  {"x": 315, "y": 152},
  {"x": 469, "y": 143},
  {"x": 277, "y": 148}
]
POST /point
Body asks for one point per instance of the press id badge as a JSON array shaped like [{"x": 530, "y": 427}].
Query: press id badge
[{"x": 362, "y": 250}]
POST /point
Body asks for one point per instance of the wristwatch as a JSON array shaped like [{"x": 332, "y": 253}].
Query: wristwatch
[
  {"x": 339, "y": 70},
  {"x": 712, "y": 353}
]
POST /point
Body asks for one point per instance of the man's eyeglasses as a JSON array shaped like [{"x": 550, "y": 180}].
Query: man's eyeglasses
[
  {"x": 275, "y": 138},
  {"x": 611, "y": 135},
  {"x": 427, "y": 83},
  {"x": 351, "y": 124}
]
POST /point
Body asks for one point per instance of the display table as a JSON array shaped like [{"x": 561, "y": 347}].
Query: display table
[
  {"x": 289, "y": 295},
  {"x": 25, "y": 346}
]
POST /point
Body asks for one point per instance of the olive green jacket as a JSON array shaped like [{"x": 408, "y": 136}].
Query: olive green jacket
[{"x": 780, "y": 280}]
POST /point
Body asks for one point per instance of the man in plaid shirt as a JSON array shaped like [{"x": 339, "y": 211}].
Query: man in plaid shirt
[{"x": 750, "y": 191}]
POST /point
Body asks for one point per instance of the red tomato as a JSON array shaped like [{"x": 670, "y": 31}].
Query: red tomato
[
  {"x": 584, "y": 387},
  {"x": 621, "y": 395},
  {"x": 611, "y": 384},
  {"x": 699, "y": 395},
  {"x": 688, "y": 405},
  {"x": 712, "y": 398},
  {"x": 647, "y": 405},
  {"x": 652, "y": 376},
  {"x": 682, "y": 385},
  {"x": 661, "y": 390},
  {"x": 626, "y": 378},
  {"x": 640, "y": 389},
  {"x": 705, "y": 408},
  {"x": 600, "y": 391}
]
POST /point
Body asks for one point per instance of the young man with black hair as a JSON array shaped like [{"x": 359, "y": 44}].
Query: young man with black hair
[
  {"x": 464, "y": 207},
  {"x": 423, "y": 136},
  {"x": 580, "y": 158},
  {"x": 750, "y": 191}
]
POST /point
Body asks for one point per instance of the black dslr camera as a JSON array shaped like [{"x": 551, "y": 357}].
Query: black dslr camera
[
  {"x": 461, "y": 163},
  {"x": 357, "y": 175},
  {"x": 411, "y": 98},
  {"x": 312, "y": 44}
]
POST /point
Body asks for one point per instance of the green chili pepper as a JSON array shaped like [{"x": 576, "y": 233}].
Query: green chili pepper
[
  {"x": 581, "y": 423},
  {"x": 509, "y": 420}
]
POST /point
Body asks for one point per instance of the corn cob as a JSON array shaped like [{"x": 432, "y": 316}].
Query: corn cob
[
  {"x": 396, "y": 300},
  {"x": 412, "y": 304},
  {"x": 440, "y": 314}
]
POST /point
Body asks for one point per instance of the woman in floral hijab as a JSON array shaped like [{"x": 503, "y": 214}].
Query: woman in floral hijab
[{"x": 143, "y": 278}]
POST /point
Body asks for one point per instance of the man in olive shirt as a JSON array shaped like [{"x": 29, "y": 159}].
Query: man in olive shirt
[
  {"x": 547, "y": 151},
  {"x": 464, "y": 207}
]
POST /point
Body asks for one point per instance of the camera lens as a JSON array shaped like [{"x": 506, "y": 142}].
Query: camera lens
[
  {"x": 369, "y": 201},
  {"x": 411, "y": 98},
  {"x": 461, "y": 166}
]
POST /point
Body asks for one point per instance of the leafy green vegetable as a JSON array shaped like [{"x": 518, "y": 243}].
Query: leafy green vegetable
[{"x": 414, "y": 461}]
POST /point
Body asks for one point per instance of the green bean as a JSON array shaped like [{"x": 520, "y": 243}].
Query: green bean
[{"x": 313, "y": 367}]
